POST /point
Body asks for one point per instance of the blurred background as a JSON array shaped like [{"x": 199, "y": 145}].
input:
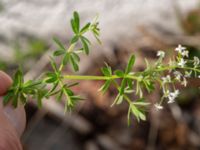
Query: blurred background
[{"x": 141, "y": 27}]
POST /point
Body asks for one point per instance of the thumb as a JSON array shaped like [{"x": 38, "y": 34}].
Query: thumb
[
  {"x": 17, "y": 116},
  {"x": 5, "y": 83}
]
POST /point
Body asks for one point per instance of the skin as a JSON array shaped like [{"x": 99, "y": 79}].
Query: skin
[{"x": 12, "y": 121}]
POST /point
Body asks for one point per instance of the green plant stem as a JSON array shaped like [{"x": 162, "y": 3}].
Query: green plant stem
[
  {"x": 85, "y": 77},
  {"x": 174, "y": 67},
  {"x": 127, "y": 99},
  {"x": 70, "y": 49},
  {"x": 189, "y": 68}
]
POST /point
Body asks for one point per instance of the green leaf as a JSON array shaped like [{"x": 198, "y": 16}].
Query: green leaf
[
  {"x": 75, "y": 57},
  {"x": 7, "y": 98},
  {"x": 72, "y": 84},
  {"x": 119, "y": 101},
  {"x": 74, "y": 39},
  {"x": 105, "y": 86},
  {"x": 55, "y": 84},
  {"x": 60, "y": 45},
  {"x": 97, "y": 38},
  {"x": 41, "y": 94},
  {"x": 123, "y": 86},
  {"x": 76, "y": 98},
  {"x": 128, "y": 91},
  {"x": 18, "y": 78},
  {"x": 135, "y": 111},
  {"x": 119, "y": 73},
  {"x": 74, "y": 64},
  {"x": 53, "y": 64},
  {"x": 66, "y": 58},
  {"x": 51, "y": 79},
  {"x": 85, "y": 46},
  {"x": 141, "y": 103},
  {"x": 73, "y": 25},
  {"x": 86, "y": 40},
  {"x": 85, "y": 28},
  {"x": 130, "y": 83},
  {"x": 32, "y": 84},
  {"x": 106, "y": 71},
  {"x": 142, "y": 116},
  {"x": 76, "y": 20},
  {"x": 69, "y": 92},
  {"x": 130, "y": 64},
  {"x": 50, "y": 74},
  {"x": 58, "y": 52},
  {"x": 138, "y": 113},
  {"x": 149, "y": 85}
]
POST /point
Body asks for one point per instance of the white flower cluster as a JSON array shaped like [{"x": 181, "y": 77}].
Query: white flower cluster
[
  {"x": 166, "y": 79},
  {"x": 182, "y": 78},
  {"x": 172, "y": 96},
  {"x": 182, "y": 50},
  {"x": 181, "y": 71}
]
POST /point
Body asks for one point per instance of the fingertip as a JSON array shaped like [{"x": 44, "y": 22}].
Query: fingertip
[{"x": 5, "y": 82}]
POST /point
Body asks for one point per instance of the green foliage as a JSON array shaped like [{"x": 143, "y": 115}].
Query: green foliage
[
  {"x": 20, "y": 90},
  {"x": 125, "y": 81}
]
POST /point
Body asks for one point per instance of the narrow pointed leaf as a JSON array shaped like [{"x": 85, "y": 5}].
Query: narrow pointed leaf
[
  {"x": 105, "y": 86},
  {"x": 130, "y": 64},
  {"x": 74, "y": 39},
  {"x": 85, "y": 46},
  {"x": 76, "y": 20},
  {"x": 58, "y": 52},
  {"x": 57, "y": 41},
  {"x": 85, "y": 28}
]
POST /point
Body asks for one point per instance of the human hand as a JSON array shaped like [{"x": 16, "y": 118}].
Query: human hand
[{"x": 12, "y": 121}]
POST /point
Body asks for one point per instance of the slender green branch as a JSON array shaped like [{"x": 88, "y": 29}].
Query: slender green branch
[
  {"x": 88, "y": 77},
  {"x": 82, "y": 77},
  {"x": 127, "y": 99},
  {"x": 189, "y": 68}
]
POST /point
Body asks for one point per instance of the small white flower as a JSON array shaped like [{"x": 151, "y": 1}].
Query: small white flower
[
  {"x": 171, "y": 100},
  {"x": 185, "y": 53},
  {"x": 172, "y": 96},
  {"x": 199, "y": 76},
  {"x": 166, "y": 79},
  {"x": 161, "y": 54},
  {"x": 176, "y": 93},
  {"x": 184, "y": 82},
  {"x": 196, "y": 61},
  {"x": 177, "y": 75},
  {"x": 188, "y": 74},
  {"x": 180, "y": 48},
  {"x": 158, "y": 106},
  {"x": 182, "y": 62}
]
